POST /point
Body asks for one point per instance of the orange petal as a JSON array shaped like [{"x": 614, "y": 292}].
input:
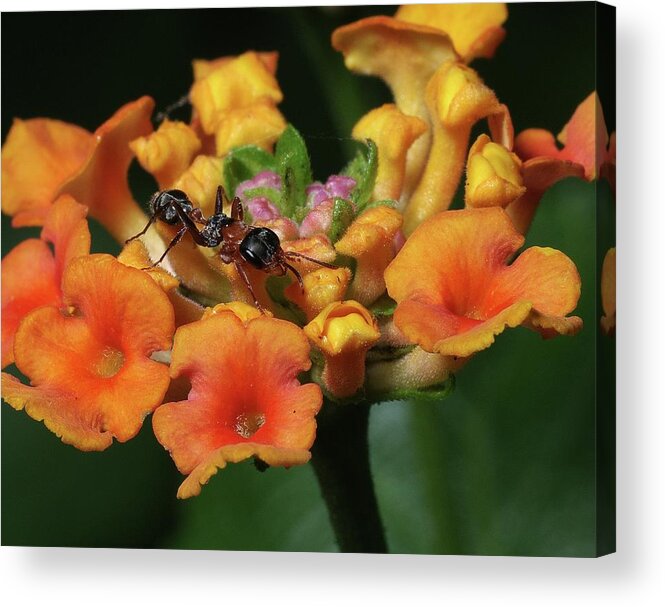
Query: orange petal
[
  {"x": 584, "y": 139},
  {"x": 31, "y": 274},
  {"x": 96, "y": 364},
  {"x": 29, "y": 281},
  {"x": 393, "y": 132},
  {"x": 455, "y": 291},
  {"x": 59, "y": 412},
  {"x": 245, "y": 398},
  {"x": 38, "y": 157},
  {"x": 102, "y": 184},
  {"x": 608, "y": 291},
  {"x": 167, "y": 152},
  {"x": 260, "y": 124},
  {"x": 493, "y": 175},
  {"x": 474, "y": 28},
  {"x": 405, "y": 56},
  {"x": 539, "y": 174},
  {"x": 232, "y": 84},
  {"x": 456, "y": 98},
  {"x": 369, "y": 240}
]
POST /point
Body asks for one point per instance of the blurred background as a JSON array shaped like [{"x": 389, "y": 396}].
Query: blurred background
[{"x": 507, "y": 465}]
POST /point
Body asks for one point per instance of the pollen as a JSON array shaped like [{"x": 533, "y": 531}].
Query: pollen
[{"x": 109, "y": 362}]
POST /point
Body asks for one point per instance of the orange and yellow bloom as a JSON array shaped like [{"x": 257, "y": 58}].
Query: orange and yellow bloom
[
  {"x": 455, "y": 290},
  {"x": 89, "y": 360},
  {"x": 245, "y": 400},
  {"x": 416, "y": 289}
]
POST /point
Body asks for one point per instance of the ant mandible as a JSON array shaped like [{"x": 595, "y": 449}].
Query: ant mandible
[{"x": 239, "y": 243}]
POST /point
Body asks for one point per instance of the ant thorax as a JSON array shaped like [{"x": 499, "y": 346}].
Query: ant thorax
[{"x": 212, "y": 231}]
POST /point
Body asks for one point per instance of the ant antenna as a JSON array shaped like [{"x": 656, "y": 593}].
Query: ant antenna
[{"x": 161, "y": 116}]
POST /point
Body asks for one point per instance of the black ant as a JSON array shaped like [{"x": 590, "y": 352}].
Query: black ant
[{"x": 239, "y": 243}]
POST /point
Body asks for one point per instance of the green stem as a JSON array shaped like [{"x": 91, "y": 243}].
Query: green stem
[{"x": 340, "y": 457}]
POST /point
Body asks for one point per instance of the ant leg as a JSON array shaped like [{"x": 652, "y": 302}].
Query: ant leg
[
  {"x": 190, "y": 226},
  {"x": 248, "y": 284},
  {"x": 197, "y": 215},
  {"x": 296, "y": 274},
  {"x": 176, "y": 239},
  {"x": 144, "y": 230},
  {"x": 293, "y": 255},
  {"x": 237, "y": 212}
]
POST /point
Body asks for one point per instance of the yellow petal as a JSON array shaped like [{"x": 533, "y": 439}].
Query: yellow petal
[
  {"x": 474, "y": 28},
  {"x": 233, "y": 84},
  {"x": 393, "y": 132},
  {"x": 456, "y": 98},
  {"x": 370, "y": 241},
  {"x": 404, "y": 56},
  {"x": 320, "y": 288},
  {"x": 493, "y": 176},
  {"x": 260, "y": 124},
  {"x": 167, "y": 152}
]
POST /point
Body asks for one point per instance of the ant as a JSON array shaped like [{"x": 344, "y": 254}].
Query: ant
[{"x": 239, "y": 243}]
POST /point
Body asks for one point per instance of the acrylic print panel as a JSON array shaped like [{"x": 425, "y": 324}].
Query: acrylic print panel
[{"x": 358, "y": 363}]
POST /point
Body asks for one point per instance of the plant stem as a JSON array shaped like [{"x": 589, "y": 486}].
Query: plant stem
[{"x": 340, "y": 457}]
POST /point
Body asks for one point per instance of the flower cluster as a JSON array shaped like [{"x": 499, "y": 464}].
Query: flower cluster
[{"x": 391, "y": 291}]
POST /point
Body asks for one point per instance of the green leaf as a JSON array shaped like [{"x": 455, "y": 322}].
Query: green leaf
[
  {"x": 270, "y": 193},
  {"x": 384, "y": 306},
  {"x": 243, "y": 163},
  {"x": 363, "y": 169},
  {"x": 294, "y": 168},
  {"x": 342, "y": 216}
]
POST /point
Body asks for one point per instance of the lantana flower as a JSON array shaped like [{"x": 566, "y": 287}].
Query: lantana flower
[
  {"x": 455, "y": 290},
  {"x": 584, "y": 154},
  {"x": 32, "y": 274},
  {"x": 89, "y": 359},
  {"x": 421, "y": 63},
  {"x": 44, "y": 158},
  {"x": 245, "y": 400}
]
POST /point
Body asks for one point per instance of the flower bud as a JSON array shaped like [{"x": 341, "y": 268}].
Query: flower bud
[
  {"x": 493, "y": 175},
  {"x": 344, "y": 332}
]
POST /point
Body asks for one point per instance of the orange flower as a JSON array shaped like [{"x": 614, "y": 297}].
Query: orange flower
[
  {"x": 43, "y": 158},
  {"x": 497, "y": 177},
  {"x": 31, "y": 273},
  {"x": 584, "y": 139},
  {"x": 245, "y": 399},
  {"x": 89, "y": 363},
  {"x": 456, "y": 291}
]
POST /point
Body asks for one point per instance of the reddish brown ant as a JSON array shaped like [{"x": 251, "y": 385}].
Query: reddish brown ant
[{"x": 239, "y": 243}]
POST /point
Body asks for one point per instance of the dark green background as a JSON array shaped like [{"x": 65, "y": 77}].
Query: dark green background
[{"x": 507, "y": 465}]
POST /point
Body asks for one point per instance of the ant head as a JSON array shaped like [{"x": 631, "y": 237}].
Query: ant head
[
  {"x": 260, "y": 247},
  {"x": 162, "y": 205}
]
